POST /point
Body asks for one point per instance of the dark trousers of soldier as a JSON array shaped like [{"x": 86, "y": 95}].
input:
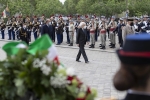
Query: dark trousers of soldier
[
  {"x": 58, "y": 38},
  {"x": 9, "y": 34},
  {"x": 120, "y": 40},
  {"x": 35, "y": 35},
  {"x": 29, "y": 33},
  {"x": 25, "y": 39},
  {"x": 81, "y": 51},
  {"x": 88, "y": 35},
  {"x": 3, "y": 35},
  {"x": 108, "y": 33},
  {"x": 68, "y": 39},
  {"x": 53, "y": 34},
  {"x": 13, "y": 34},
  {"x": 96, "y": 35},
  {"x": 61, "y": 35}
]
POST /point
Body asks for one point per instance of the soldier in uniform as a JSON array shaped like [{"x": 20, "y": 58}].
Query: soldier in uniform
[
  {"x": 112, "y": 26},
  {"x": 103, "y": 31},
  {"x": 3, "y": 26},
  {"x": 54, "y": 24},
  {"x": 13, "y": 29},
  {"x": 35, "y": 30},
  {"x": 9, "y": 25},
  {"x": 128, "y": 29},
  {"x": 67, "y": 31},
  {"x": 92, "y": 27},
  {"x": 71, "y": 32},
  {"x": 59, "y": 31},
  {"x": 144, "y": 23},
  {"x": 24, "y": 33},
  {"x": 119, "y": 31},
  {"x": 136, "y": 26}
]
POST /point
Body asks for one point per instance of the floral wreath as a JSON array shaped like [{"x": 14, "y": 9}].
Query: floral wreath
[{"x": 35, "y": 73}]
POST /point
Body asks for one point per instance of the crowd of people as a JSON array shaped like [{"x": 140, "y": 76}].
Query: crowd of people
[{"x": 22, "y": 28}]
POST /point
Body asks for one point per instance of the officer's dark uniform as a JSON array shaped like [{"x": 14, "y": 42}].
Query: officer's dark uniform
[
  {"x": 24, "y": 35},
  {"x": 3, "y": 26}
]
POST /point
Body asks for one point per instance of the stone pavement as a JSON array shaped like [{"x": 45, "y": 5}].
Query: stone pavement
[{"x": 98, "y": 73}]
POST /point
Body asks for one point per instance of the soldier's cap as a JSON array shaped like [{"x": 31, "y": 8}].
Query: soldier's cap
[
  {"x": 113, "y": 17},
  {"x": 130, "y": 19},
  {"x": 136, "y": 50},
  {"x": 136, "y": 18},
  {"x": 102, "y": 16},
  {"x": 121, "y": 19},
  {"x": 145, "y": 16}
]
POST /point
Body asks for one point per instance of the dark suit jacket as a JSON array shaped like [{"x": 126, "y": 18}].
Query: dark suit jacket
[
  {"x": 81, "y": 38},
  {"x": 137, "y": 97},
  {"x": 46, "y": 30}
]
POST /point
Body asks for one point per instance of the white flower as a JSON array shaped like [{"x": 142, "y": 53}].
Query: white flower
[
  {"x": 36, "y": 63},
  {"x": 45, "y": 69},
  {"x": 59, "y": 81},
  {"x": 83, "y": 88},
  {"x": 42, "y": 62},
  {"x": 70, "y": 71},
  {"x": 24, "y": 62}
]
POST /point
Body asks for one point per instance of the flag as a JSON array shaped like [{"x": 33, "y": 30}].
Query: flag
[
  {"x": 4, "y": 14},
  {"x": 12, "y": 48},
  {"x": 45, "y": 43}
]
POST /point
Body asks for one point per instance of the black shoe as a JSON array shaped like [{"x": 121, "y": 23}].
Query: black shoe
[
  {"x": 102, "y": 47},
  {"x": 86, "y": 62},
  {"x": 78, "y": 61},
  {"x": 113, "y": 46},
  {"x": 9, "y": 39},
  {"x": 92, "y": 46},
  {"x": 58, "y": 44},
  {"x": 71, "y": 44},
  {"x": 110, "y": 44}
]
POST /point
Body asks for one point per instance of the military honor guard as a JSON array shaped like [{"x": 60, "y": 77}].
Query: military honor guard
[
  {"x": 67, "y": 31},
  {"x": 112, "y": 26},
  {"x": 92, "y": 28},
  {"x": 144, "y": 24},
  {"x": 71, "y": 32},
  {"x": 103, "y": 31},
  {"x": 24, "y": 33},
  {"x": 9, "y": 26},
  {"x": 128, "y": 29},
  {"x": 119, "y": 31},
  {"x": 3, "y": 26}
]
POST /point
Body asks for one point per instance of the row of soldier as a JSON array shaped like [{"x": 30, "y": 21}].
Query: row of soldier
[{"x": 20, "y": 28}]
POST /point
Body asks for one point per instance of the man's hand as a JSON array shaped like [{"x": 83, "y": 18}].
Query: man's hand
[{"x": 77, "y": 45}]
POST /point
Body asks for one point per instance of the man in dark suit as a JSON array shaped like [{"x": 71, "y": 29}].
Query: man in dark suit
[
  {"x": 81, "y": 41},
  {"x": 46, "y": 29}
]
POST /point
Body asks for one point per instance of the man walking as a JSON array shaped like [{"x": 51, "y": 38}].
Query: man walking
[{"x": 81, "y": 41}]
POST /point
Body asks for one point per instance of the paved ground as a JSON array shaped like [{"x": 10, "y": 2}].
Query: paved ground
[{"x": 98, "y": 73}]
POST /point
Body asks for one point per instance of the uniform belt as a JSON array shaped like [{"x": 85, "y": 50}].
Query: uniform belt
[
  {"x": 112, "y": 29},
  {"x": 92, "y": 31},
  {"x": 102, "y": 32}
]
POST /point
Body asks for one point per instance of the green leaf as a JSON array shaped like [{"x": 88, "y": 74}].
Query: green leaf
[
  {"x": 90, "y": 97},
  {"x": 46, "y": 97},
  {"x": 45, "y": 82},
  {"x": 73, "y": 90}
]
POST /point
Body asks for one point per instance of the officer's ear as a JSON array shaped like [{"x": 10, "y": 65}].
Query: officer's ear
[{"x": 123, "y": 79}]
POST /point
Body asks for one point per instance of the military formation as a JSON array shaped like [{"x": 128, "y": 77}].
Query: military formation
[{"x": 21, "y": 28}]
